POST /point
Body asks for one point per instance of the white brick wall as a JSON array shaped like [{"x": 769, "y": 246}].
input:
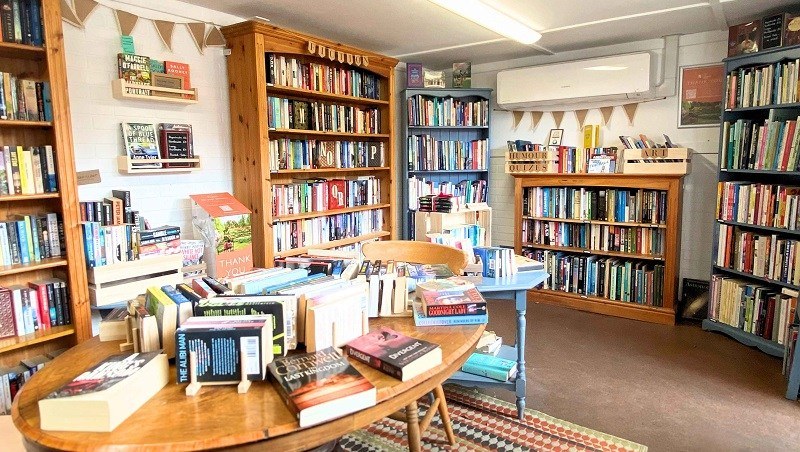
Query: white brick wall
[{"x": 91, "y": 56}]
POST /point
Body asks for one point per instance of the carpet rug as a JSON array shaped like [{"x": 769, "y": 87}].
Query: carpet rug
[{"x": 484, "y": 423}]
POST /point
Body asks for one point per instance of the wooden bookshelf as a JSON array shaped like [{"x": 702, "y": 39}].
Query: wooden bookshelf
[
  {"x": 670, "y": 227},
  {"x": 249, "y": 43},
  {"x": 47, "y": 64}
]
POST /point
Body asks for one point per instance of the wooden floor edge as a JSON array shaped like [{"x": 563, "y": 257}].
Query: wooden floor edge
[{"x": 633, "y": 312}]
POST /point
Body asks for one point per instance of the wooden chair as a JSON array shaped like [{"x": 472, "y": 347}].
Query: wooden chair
[{"x": 420, "y": 253}]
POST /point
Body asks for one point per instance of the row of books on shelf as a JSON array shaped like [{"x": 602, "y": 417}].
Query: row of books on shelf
[
  {"x": 447, "y": 112},
  {"x": 286, "y": 154},
  {"x": 595, "y": 237},
  {"x": 21, "y": 22},
  {"x": 292, "y": 234},
  {"x": 612, "y": 204},
  {"x": 24, "y": 100},
  {"x": 36, "y": 306},
  {"x": 108, "y": 245},
  {"x": 763, "y": 255},
  {"x": 771, "y": 145},
  {"x": 295, "y": 73},
  {"x": 13, "y": 378},
  {"x": 460, "y": 193},
  {"x": 759, "y": 204},
  {"x": 758, "y": 86},
  {"x": 321, "y": 116},
  {"x": 113, "y": 210},
  {"x": 456, "y": 235},
  {"x": 27, "y": 239},
  {"x": 753, "y": 308},
  {"x": 427, "y": 153},
  {"x": 319, "y": 195},
  {"x": 612, "y": 278},
  {"x": 27, "y": 170}
]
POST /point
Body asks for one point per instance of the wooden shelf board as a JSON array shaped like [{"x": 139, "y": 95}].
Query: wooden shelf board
[
  {"x": 332, "y": 170},
  {"x": 756, "y": 278},
  {"x": 126, "y": 165},
  {"x": 411, "y": 126},
  {"x": 119, "y": 92},
  {"x": 763, "y": 107},
  {"x": 600, "y": 222},
  {"x": 21, "y": 51},
  {"x": 329, "y": 134},
  {"x": 291, "y": 91},
  {"x": 765, "y": 172},
  {"x": 600, "y": 305},
  {"x": 14, "y": 198},
  {"x": 21, "y": 123},
  {"x": 759, "y": 227},
  {"x": 765, "y": 345},
  {"x": 333, "y": 244},
  {"x": 17, "y": 342},
  {"x": 570, "y": 249},
  {"x": 449, "y": 171},
  {"x": 300, "y": 216},
  {"x": 23, "y": 268}
]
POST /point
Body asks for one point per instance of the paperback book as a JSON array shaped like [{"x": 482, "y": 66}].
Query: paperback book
[
  {"x": 395, "y": 354},
  {"x": 141, "y": 143},
  {"x": 420, "y": 319},
  {"x": 453, "y": 303},
  {"x": 321, "y": 386}
]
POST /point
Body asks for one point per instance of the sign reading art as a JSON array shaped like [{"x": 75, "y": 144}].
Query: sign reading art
[{"x": 336, "y": 55}]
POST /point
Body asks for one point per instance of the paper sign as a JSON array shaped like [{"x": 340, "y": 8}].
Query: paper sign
[
  {"x": 88, "y": 177},
  {"x": 127, "y": 44}
]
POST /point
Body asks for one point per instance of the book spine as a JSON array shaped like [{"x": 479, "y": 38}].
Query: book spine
[{"x": 484, "y": 371}]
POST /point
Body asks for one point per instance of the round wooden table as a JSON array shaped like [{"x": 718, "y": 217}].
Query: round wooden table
[{"x": 218, "y": 417}]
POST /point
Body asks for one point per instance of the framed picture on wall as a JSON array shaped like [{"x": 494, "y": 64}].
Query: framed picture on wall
[
  {"x": 700, "y": 101},
  {"x": 554, "y": 139}
]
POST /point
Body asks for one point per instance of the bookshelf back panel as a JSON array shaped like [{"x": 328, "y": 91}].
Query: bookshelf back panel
[
  {"x": 28, "y": 207},
  {"x": 25, "y": 277},
  {"x": 27, "y": 136},
  {"x": 27, "y": 69},
  {"x": 13, "y": 359}
]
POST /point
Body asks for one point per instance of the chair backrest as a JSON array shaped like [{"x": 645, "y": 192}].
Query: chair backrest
[{"x": 416, "y": 252}]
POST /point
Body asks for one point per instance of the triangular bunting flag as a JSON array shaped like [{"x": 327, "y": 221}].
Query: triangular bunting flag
[
  {"x": 214, "y": 37},
  {"x": 198, "y": 32},
  {"x": 164, "y": 28},
  {"x": 126, "y": 21},
  {"x": 68, "y": 14},
  {"x": 606, "y": 112},
  {"x": 581, "y": 115},
  {"x": 536, "y": 116},
  {"x": 83, "y": 8},
  {"x": 557, "y": 117},
  {"x": 630, "y": 111},
  {"x": 517, "y": 118}
]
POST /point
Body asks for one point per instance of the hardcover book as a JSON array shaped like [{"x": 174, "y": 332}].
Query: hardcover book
[
  {"x": 414, "y": 76},
  {"x": 182, "y": 70},
  {"x": 462, "y": 75},
  {"x": 135, "y": 69},
  {"x": 744, "y": 38},
  {"x": 452, "y": 303},
  {"x": 99, "y": 399},
  {"x": 176, "y": 143},
  {"x": 395, "y": 354},
  {"x": 490, "y": 366},
  {"x": 321, "y": 386},
  {"x": 140, "y": 143}
]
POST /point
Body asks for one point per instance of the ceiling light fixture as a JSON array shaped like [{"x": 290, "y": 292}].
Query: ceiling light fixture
[
  {"x": 606, "y": 68},
  {"x": 488, "y": 17}
]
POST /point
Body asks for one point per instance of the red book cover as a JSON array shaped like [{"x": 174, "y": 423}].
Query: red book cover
[
  {"x": 7, "y": 323},
  {"x": 434, "y": 303},
  {"x": 395, "y": 354},
  {"x": 337, "y": 194},
  {"x": 44, "y": 303},
  {"x": 182, "y": 70}
]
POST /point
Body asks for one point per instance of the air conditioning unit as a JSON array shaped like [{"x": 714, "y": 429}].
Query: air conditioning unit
[{"x": 595, "y": 82}]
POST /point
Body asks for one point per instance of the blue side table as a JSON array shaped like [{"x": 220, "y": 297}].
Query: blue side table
[{"x": 513, "y": 288}]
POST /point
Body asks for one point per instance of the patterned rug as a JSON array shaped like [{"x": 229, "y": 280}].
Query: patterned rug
[{"x": 483, "y": 423}]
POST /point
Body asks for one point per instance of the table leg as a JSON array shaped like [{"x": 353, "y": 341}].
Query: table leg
[
  {"x": 412, "y": 422},
  {"x": 521, "y": 301}
]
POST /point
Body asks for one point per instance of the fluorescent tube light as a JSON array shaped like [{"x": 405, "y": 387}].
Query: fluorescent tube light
[
  {"x": 488, "y": 17},
  {"x": 606, "y": 68}
]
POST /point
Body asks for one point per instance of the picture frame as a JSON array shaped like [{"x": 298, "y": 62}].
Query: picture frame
[
  {"x": 700, "y": 95},
  {"x": 554, "y": 138},
  {"x": 166, "y": 81}
]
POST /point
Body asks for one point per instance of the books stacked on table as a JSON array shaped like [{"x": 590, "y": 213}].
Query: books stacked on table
[
  {"x": 436, "y": 203},
  {"x": 450, "y": 301}
]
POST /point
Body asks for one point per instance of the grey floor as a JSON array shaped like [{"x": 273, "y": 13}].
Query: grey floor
[{"x": 669, "y": 388}]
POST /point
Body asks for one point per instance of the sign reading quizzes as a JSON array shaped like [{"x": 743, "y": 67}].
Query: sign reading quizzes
[{"x": 223, "y": 223}]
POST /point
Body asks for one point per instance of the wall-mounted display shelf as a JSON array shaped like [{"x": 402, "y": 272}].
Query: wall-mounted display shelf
[
  {"x": 120, "y": 91},
  {"x": 126, "y": 165}
]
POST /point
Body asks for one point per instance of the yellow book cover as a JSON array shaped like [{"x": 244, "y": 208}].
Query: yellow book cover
[
  {"x": 591, "y": 135},
  {"x": 25, "y": 182},
  {"x": 165, "y": 311}
]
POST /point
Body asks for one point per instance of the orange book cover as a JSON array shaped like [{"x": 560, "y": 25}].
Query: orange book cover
[{"x": 224, "y": 225}]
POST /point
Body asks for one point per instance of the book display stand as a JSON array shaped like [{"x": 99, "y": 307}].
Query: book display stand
[{"x": 194, "y": 386}]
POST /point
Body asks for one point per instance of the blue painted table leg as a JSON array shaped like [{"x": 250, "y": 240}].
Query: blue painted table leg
[{"x": 521, "y": 299}]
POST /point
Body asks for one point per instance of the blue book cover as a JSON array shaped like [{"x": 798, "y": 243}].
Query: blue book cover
[
  {"x": 36, "y": 23},
  {"x": 22, "y": 240},
  {"x": 490, "y": 366},
  {"x": 421, "y": 320},
  {"x": 47, "y": 101},
  {"x": 88, "y": 244},
  {"x": 260, "y": 285},
  {"x": 273, "y": 290},
  {"x": 174, "y": 295},
  {"x": 33, "y": 227},
  {"x": 101, "y": 237}
]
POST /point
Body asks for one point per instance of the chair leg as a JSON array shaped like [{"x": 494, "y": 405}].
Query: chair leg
[
  {"x": 445, "y": 415},
  {"x": 412, "y": 421}
]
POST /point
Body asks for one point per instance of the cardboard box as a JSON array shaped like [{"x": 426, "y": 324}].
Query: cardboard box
[{"x": 223, "y": 223}]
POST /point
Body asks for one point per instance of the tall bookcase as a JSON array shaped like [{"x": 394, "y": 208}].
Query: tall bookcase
[
  {"x": 46, "y": 64},
  {"x": 256, "y": 168},
  {"x": 749, "y": 280},
  {"x": 586, "y": 227},
  {"x": 438, "y": 131}
]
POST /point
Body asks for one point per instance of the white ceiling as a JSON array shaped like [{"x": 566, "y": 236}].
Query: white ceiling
[{"x": 420, "y": 31}]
